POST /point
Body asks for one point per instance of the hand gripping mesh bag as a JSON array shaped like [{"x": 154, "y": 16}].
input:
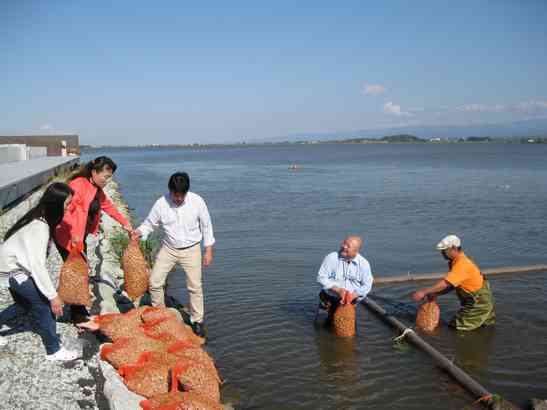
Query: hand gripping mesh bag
[
  {"x": 177, "y": 400},
  {"x": 343, "y": 320},
  {"x": 74, "y": 280},
  {"x": 428, "y": 315},
  {"x": 136, "y": 273}
]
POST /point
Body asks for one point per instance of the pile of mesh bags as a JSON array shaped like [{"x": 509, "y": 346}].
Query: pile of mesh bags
[{"x": 159, "y": 357}]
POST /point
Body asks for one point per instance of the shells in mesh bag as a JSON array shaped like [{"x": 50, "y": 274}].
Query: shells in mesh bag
[
  {"x": 154, "y": 313},
  {"x": 136, "y": 273},
  {"x": 74, "y": 280},
  {"x": 173, "y": 327},
  {"x": 427, "y": 318},
  {"x": 120, "y": 325},
  {"x": 176, "y": 400},
  {"x": 344, "y": 320},
  {"x": 197, "y": 378},
  {"x": 147, "y": 379},
  {"x": 127, "y": 351},
  {"x": 182, "y": 350}
]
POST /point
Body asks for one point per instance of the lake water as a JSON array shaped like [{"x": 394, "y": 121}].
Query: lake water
[{"x": 274, "y": 225}]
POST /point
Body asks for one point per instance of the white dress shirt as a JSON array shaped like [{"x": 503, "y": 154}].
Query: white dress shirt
[
  {"x": 183, "y": 225},
  {"x": 24, "y": 254}
]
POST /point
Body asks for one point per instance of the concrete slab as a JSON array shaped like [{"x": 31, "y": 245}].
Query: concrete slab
[{"x": 19, "y": 178}]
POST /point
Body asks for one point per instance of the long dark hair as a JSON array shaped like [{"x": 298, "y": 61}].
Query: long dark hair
[
  {"x": 51, "y": 207},
  {"x": 98, "y": 164}
]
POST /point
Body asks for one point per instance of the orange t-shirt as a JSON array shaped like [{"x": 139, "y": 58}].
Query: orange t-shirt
[{"x": 465, "y": 274}]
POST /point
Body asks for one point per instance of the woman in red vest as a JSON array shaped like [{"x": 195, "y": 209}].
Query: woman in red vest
[{"x": 83, "y": 215}]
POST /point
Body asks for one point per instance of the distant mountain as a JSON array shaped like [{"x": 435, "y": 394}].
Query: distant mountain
[{"x": 528, "y": 128}]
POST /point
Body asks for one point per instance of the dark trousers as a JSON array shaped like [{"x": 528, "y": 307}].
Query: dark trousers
[
  {"x": 29, "y": 300},
  {"x": 78, "y": 313}
]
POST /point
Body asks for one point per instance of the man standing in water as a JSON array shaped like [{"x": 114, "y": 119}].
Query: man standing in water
[
  {"x": 473, "y": 290},
  {"x": 345, "y": 276},
  {"x": 185, "y": 221}
]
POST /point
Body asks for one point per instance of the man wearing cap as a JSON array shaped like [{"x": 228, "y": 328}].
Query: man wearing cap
[
  {"x": 345, "y": 276},
  {"x": 472, "y": 288}
]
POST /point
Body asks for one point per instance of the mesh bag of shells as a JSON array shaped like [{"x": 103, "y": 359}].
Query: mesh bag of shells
[
  {"x": 343, "y": 320},
  {"x": 173, "y": 327},
  {"x": 74, "y": 280},
  {"x": 147, "y": 379},
  {"x": 120, "y": 325},
  {"x": 127, "y": 351},
  {"x": 197, "y": 378},
  {"x": 135, "y": 268},
  {"x": 176, "y": 400},
  {"x": 428, "y": 315},
  {"x": 188, "y": 351},
  {"x": 154, "y": 313}
]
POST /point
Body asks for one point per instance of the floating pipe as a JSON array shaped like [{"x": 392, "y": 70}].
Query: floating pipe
[
  {"x": 437, "y": 275},
  {"x": 478, "y": 391}
]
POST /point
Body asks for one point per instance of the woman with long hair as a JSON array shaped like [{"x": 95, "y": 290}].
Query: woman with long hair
[
  {"x": 23, "y": 257},
  {"x": 83, "y": 215}
]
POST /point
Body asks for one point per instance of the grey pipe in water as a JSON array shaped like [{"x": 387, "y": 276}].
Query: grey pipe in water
[{"x": 463, "y": 378}]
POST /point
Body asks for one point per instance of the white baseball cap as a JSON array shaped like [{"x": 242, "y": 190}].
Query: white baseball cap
[{"x": 450, "y": 241}]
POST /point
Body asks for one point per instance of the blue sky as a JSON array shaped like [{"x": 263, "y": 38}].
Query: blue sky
[{"x": 177, "y": 72}]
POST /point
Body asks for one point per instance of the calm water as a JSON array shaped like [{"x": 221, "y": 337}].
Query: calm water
[{"x": 273, "y": 227}]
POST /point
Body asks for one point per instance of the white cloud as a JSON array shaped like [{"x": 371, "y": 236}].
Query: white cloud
[
  {"x": 373, "y": 89},
  {"x": 482, "y": 108},
  {"x": 528, "y": 107},
  {"x": 395, "y": 109},
  {"x": 46, "y": 127}
]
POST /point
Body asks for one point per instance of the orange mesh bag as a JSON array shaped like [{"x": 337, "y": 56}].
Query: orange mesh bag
[
  {"x": 197, "y": 378},
  {"x": 344, "y": 320},
  {"x": 154, "y": 313},
  {"x": 147, "y": 377},
  {"x": 185, "y": 350},
  {"x": 74, "y": 280},
  {"x": 127, "y": 351},
  {"x": 176, "y": 400},
  {"x": 427, "y": 318},
  {"x": 120, "y": 325},
  {"x": 174, "y": 327},
  {"x": 136, "y": 273}
]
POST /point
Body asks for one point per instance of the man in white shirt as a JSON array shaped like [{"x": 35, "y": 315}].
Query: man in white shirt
[{"x": 185, "y": 222}]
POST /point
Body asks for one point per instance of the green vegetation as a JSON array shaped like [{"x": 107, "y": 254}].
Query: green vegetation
[{"x": 119, "y": 240}]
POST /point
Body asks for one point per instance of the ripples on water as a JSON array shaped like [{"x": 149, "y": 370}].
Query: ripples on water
[{"x": 273, "y": 227}]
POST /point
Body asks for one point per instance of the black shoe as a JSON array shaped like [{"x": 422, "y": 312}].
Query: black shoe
[{"x": 199, "y": 329}]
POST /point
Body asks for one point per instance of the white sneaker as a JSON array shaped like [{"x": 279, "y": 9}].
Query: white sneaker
[
  {"x": 3, "y": 341},
  {"x": 63, "y": 355}
]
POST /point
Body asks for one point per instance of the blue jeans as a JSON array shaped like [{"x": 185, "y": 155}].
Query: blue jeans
[{"x": 28, "y": 299}]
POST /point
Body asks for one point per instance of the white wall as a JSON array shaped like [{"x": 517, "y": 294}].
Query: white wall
[{"x": 13, "y": 152}]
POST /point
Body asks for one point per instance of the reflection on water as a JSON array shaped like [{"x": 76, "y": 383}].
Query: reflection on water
[{"x": 473, "y": 349}]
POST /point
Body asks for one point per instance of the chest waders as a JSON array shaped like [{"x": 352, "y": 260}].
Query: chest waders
[{"x": 477, "y": 308}]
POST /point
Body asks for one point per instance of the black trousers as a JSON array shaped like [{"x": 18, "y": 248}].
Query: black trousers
[{"x": 77, "y": 313}]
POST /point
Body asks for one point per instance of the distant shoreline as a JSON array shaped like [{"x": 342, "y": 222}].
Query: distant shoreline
[{"x": 393, "y": 139}]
